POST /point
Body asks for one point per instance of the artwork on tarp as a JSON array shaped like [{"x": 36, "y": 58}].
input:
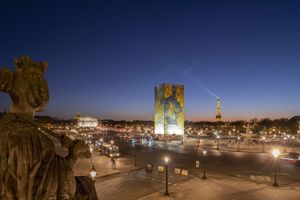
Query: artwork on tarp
[{"x": 169, "y": 109}]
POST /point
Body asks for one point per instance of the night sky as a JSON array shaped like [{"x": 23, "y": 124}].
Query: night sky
[{"x": 105, "y": 57}]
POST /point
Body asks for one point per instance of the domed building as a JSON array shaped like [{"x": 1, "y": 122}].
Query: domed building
[{"x": 86, "y": 121}]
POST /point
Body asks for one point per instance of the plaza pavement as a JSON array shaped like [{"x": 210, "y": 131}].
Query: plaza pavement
[
  {"x": 227, "y": 188},
  {"x": 226, "y": 145},
  {"x": 103, "y": 165}
]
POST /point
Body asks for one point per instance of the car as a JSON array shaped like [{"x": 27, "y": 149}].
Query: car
[{"x": 291, "y": 158}]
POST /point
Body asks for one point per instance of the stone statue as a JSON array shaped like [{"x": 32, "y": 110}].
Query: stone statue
[
  {"x": 26, "y": 86},
  {"x": 31, "y": 165}
]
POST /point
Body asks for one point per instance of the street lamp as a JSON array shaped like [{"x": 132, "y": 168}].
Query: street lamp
[
  {"x": 166, "y": 162},
  {"x": 218, "y": 142},
  {"x": 293, "y": 138},
  {"x": 238, "y": 143},
  {"x": 275, "y": 154},
  {"x": 135, "y": 156},
  {"x": 264, "y": 143},
  {"x": 298, "y": 135},
  {"x": 197, "y": 165},
  {"x": 101, "y": 145},
  {"x": 93, "y": 172},
  {"x": 204, "y": 159},
  {"x": 284, "y": 143},
  {"x": 91, "y": 148}
]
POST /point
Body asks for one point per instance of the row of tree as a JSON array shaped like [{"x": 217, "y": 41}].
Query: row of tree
[{"x": 267, "y": 125}]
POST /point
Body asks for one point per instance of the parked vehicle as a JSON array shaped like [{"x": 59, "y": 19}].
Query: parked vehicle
[{"x": 291, "y": 158}]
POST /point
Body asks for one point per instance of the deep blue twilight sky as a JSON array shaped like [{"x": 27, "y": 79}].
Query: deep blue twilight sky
[{"x": 105, "y": 57}]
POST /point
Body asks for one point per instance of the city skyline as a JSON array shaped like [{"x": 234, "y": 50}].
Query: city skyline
[{"x": 113, "y": 54}]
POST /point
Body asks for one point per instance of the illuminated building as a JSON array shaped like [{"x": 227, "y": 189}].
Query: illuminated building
[
  {"x": 169, "y": 109},
  {"x": 218, "y": 115},
  {"x": 86, "y": 121}
]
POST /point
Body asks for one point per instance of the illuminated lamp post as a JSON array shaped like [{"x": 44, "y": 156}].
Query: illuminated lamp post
[
  {"x": 238, "y": 147},
  {"x": 298, "y": 135},
  {"x": 111, "y": 149},
  {"x": 135, "y": 156},
  {"x": 275, "y": 154},
  {"x": 111, "y": 143},
  {"x": 233, "y": 130},
  {"x": 218, "y": 142},
  {"x": 204, "y": 160},
  {"x": 93, "y": 172},
  {"x": 101, "y": 145},
  {"x": 198, "y": 165},
  {"x": 91, "y": 149},
  {"x": 264, "y": 143},
  {"x": 167, "y": 189},
  {"x": 293, "y": 138},
  {"x": 284, "y": 143}
]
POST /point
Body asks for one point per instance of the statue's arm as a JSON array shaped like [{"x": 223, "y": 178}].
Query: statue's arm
[
  {"x": 6, "y": 80},
  {"x": 78, "y": 150}
]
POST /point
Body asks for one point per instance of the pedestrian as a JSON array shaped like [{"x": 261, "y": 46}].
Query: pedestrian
[{"x": 113, "y": 163}]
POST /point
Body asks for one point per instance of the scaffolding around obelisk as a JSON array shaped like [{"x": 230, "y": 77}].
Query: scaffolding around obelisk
[{"x": 218, "y": 115}]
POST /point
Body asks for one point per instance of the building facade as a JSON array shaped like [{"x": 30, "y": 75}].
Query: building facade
[
  {"x": 169, "y": 109},
  {"x": 86, "y": 122}
]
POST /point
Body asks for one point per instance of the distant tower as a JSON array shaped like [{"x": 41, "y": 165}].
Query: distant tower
[
  {"x": 77, "y": 117},
  {"x": 218, "y": 115}
]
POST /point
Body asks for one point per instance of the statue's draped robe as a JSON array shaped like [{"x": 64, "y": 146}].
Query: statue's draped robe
[{"x": 30, "y": 168}]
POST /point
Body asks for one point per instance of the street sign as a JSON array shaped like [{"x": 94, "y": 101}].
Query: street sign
[
  {"x": 161, "y": 169},
  {"x": 177, "y": 171},
  {"x": 184, "y": 172},
  {"x": 197, "y": 164}
]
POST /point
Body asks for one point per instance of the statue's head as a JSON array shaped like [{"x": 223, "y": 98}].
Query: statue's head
[
  {"x": 26, "y": 86},
  {"x": 24, "y": 64}
]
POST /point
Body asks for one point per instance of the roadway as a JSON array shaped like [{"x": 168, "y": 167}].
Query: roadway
[{"x": 136, "y": 184}]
